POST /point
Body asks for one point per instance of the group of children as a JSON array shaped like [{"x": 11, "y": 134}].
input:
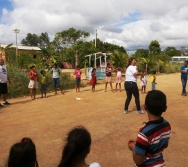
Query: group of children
[
  {"x": 147, "y": 148},
  {"x": 35, "y": 79}
]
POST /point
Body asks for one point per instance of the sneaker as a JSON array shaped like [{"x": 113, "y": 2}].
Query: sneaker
[
  {"x": 6, "y": 103},
  {"x": 141, "y": 112},
  {"x": 125, "y": 111}
]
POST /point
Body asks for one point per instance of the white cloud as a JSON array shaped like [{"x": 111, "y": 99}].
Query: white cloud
[{"x": 162, "y": 20}]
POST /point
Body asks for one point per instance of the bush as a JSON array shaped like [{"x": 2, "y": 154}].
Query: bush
[{"x": 20, "y": 80}]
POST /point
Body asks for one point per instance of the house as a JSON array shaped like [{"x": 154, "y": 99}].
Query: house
[{"x": 21, "y": 49}]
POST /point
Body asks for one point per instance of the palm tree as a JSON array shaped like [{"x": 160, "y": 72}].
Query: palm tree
[{"x": 119, "y": 59}]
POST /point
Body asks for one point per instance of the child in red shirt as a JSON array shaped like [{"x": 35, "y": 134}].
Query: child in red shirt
[{"x": 33, "y": 84}]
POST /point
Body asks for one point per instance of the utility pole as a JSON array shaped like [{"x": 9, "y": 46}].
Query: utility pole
[
  {"x": 16, "y": 31},
  {"x": 95, "y": 47}
]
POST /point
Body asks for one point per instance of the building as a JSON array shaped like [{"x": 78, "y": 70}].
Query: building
[{"x": 21, "y": 49}]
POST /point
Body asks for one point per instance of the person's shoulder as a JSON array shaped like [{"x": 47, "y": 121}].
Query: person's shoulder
[{"x": 94, "y": 164}]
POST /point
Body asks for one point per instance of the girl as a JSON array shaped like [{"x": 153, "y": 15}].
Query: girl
[
  {"x": 33, "y": 84},
  {"x": 93, "y": 79},
  {"x": 23, "y": 154},
  {"x": 78, "y": 73},
  {"x": 118, "y": 78},
  {"x": 76, "y": 149},
  {"x": 43, "y": 83},
  {"x": 108, "y": 76},
  {"x": 143, "y": 82}
]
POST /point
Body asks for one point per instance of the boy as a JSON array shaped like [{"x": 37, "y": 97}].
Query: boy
[
  {"x": 153, "y": 138},
  {"x": 153, "y": 80},
  {"x": 56, "y": 81}
]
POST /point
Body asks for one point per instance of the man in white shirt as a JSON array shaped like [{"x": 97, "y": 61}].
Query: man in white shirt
[{"x": 3, "y": 82}]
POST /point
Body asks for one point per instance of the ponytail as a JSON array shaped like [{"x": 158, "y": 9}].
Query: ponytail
[{"x": 76, "y": 148}]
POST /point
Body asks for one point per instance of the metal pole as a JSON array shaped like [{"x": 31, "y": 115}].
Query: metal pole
[
  {"x": 95, "y": 47},
  {"x": 16, "y": 31}
]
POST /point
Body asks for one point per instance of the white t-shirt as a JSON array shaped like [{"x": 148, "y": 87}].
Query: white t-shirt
[
  {"x": 56, "y": 72},
  {"x": 129, "y": 74},
  {"x": 94, "y": 164},
  {"x": 3, "y": 74}
]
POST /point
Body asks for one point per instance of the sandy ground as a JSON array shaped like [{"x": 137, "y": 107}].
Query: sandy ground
[{"x": 48, "y": 120}]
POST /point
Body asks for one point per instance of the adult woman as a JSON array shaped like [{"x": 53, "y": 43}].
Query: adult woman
[{"x": 131, "y": 87}]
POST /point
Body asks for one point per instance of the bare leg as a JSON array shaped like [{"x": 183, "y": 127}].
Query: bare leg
[
  {"x": 116, "y": 86},
  {"x": 120, "y": 87},
  {"x": 106, "y": 86},
  {"x": 111, "y": 86}
]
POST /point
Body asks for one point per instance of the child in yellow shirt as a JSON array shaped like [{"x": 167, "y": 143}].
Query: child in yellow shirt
[{"x": 153, "y": 80}]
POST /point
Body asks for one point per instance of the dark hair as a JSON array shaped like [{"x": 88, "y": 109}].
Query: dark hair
[
  {"x": 108, "y": 64},
  {"x": 93, "y": 69},
  {"x": 77, "y": 66},
  {"x": 31, "y": 67},
  {"x": 155, "y": 102},
  {"x": 130, "y": 61},
  {"x": 76, "y": 148},
  {"x": 42, "y": 71},
  {"x": 154, "y": 72},
  {"x": 23, "y": 154}
]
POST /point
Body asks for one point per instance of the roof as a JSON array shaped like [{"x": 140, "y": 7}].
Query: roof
[{"x": 22, "y": 47}]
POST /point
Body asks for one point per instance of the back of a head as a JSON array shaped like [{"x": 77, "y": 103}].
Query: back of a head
[
  {"x": 23, "y": 154},
  {"x": 155, "y": 102},
  {"x": 76, "y": 148}
]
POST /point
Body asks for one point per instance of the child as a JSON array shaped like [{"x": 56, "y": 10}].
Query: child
[
  {"x": 93, "y": 79},
  {"x": 78, "y": 73},
  {"x": 153, "y": 80},
  {"x": 43, "y": 83},
  {"x": 108, "y": 76},
  {"x": 153, "y": 138},
  {"x": 33, "y": 84},
  {"x": 143, "y": 82},
  {"x": 118, "y": 78},
  {"x": 23, "y": 154},
  {"x": 76, "y": 149},
  {"x": 56, "y": 81}
]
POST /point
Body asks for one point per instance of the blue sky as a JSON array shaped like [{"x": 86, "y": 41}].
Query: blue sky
[
  {"x": 131, "y": 24},
  {"x": 5, "y": 4}
]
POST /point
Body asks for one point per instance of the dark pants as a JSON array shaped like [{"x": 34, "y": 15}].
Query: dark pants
[
  {"x": 43, "y": 89},
  {"x": 184, "y": 83},
  {"x": 131, "y": 88}
]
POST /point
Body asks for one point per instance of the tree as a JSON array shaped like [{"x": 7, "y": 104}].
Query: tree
[
  {"x": 44, "y": 40},
  {"x": 31, "y": 40},
  {"x": 172, "y": 51},
  {"x": 68, "y": 38},
  {"x": 119, "y": 59},
  {"x": 154, "y": 47}
]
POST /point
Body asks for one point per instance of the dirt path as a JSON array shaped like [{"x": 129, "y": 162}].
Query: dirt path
[{"x": 48, "y": 120}]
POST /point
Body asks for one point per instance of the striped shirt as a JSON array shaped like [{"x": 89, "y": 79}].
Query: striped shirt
[{"x": 151, "y": 141}]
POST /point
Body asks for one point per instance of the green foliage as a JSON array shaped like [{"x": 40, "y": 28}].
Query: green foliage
[
  {"x": 68, "y": 38},
  {"x": 154, "y": 47},
  {"x": 20, "y": 80},
  {"x": 119, "y": 59},
  {"x": 172, "y": 51}
]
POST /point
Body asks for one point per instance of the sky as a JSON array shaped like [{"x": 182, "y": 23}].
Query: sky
[{"x": 131, "y": 24}]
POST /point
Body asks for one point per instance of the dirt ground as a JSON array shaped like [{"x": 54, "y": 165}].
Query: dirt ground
[{"x": 48, "y": 120}]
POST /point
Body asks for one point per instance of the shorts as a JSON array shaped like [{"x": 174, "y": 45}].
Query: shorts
[
  {"x": 109, "y": 79},
  {"x": 33, "y": 84},
  {"x": 56, "y": 82},
  {"x": 77, "y": 80},
  {"x": 3, "y": 88}
]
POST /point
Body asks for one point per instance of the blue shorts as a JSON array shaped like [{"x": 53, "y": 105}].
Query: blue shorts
[
  {"x": 56, "y": 82},
  {"x": 77, "y": 80}
]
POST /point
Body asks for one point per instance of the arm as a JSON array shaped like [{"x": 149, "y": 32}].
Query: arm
[{"x": 138, "y": 159}]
